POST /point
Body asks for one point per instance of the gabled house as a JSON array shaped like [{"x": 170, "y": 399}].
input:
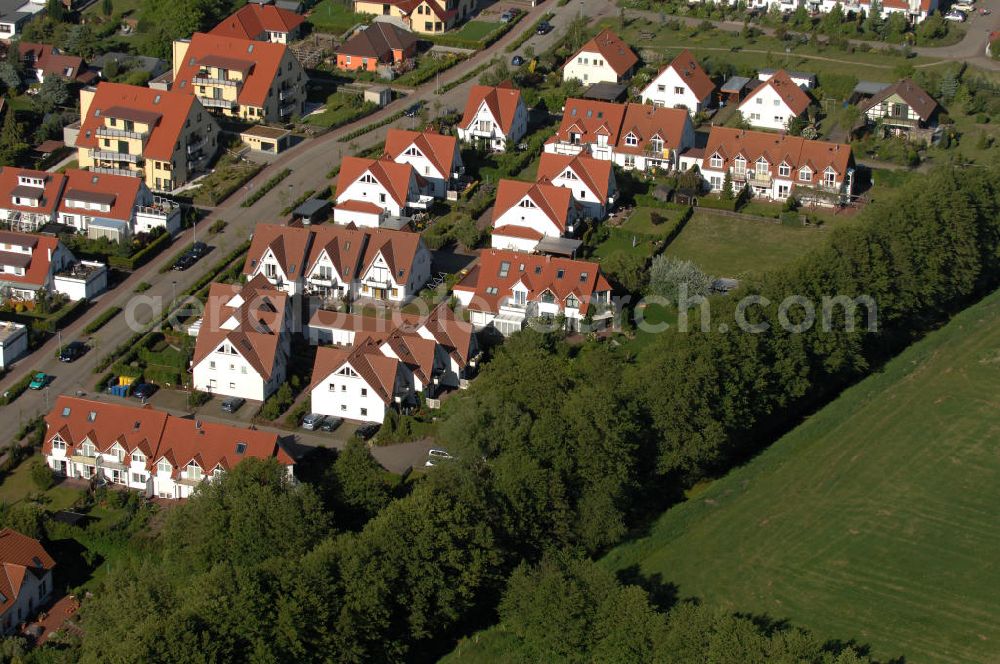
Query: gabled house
[
  {"x": 114, "y": 206},
  {"x": 41, "y": 60},
  {"x": 381, "y": 43},
  {"x": 423, "y": 16},
  {"x": 148, "y": 450},
  {"x": 261, "y": 22},
  {"x": 29, "y": 198},
  {"x": 590, "y": 181},
  {"x": 901, "y": 109},
  {"x": 26, "y": 581},
  {"x": 603, "y": 59},
  {"x": 337, "y": 262},
  {"x": 242, "y": 78},
  {"x": 162, "y": 137},
  {"x": 637, "y": 136},
  {"x": 366, "y": 187},
  {"x": 457, "y": 337},
  {"x": 435, "y": 157},
  {"x": 243, "y": 343},
  {"x": 777, "y": 166},
  {"x": 681, "y": 84},
  {"x": 15, "y": 14},
  {"x": 495, "y": 117},
  {"x": 775, "y": 104},
  {"x": 506, "y": 289},
  {"x": 33, "y": 263},
  {"x": 526, "y": 212},
  {"x": 360, "y": 383}
]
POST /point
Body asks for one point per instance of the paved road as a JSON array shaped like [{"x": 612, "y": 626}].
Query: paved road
[
  {"x": 971, "y": 49},
  {"x": 309, "y": 161}
]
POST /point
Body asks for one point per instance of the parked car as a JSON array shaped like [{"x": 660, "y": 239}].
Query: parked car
[
  {"x": 956, "y": 16},
  {"x": 198, "y": 250},
  {"x": 143, "y": 391},
  {"x": 509, "y": 15},
  {"x": 412, "y": 111},
  {"x": 72, "y": 351},
  {"x": 311, "y": 421},
  {"x": 330, "y": 423},
  {"x": 39, "y": 380},
  {"x": 434, "y": 457},
  {"x": 517, "y": 61},
  {"x": 964, "y": 7},
  {"x": 184, "y": 262},
  {"x": 233, "y": 404},
  {"x": 367, "y": 431},
  {"x": 544, "y": 28}
]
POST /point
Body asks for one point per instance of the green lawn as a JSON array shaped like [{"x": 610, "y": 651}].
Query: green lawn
[
  {"x": 727, "y": 247},
  {"x": 341, "y": 108},
  {"x": 873, "y": 520},
  {"x": 16, "y": 485},
  {"x": 640, "y": 221},
  {"x": 335, "y": 16},
  {"x": 476, "y": 30},
  {"x": 615, "y": 245}
]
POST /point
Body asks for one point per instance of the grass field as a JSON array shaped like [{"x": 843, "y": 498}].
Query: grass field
[
  {"x": 17, "y": 484},
  {"x": 640, "y": 221},
  {"x": 476, "y": 30},
  {"x": 727, "y": 247},
  {"x": 335, "y": 16},
  {"x": 874, "y": 520}
]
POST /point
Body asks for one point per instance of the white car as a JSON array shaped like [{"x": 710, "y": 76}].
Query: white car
[
  {"x": 964, "y": 7},
  {"x": 436, "y": 456},
  {"x": 955, "y": 15}
]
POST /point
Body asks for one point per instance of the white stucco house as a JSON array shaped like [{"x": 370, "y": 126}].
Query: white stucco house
[
  {"x": 243, "y": 341},
  {"x": 494, "y": 117},
  {"x": 526, "y": 212},
  {"x": 31, "y": 263},
  {"x": 360, "y": 383},
  {"x": 26, "y": 582},
  {"x": 681, "y": 84},
  {"x": 591, "y": 182},
  {"x": 435, "y": 157},
  {"x": 394, "y": 188},
  {"x": 774, "y": 104},
  {"x": 603, "y": 59},
  {"x": 148, "y": 450},
  {"x": 13, "y": 342}
]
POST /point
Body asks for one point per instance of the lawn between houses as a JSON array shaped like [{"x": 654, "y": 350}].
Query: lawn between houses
[{"x": 869, "y": 519}]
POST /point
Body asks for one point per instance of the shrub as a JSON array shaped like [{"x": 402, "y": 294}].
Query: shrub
[
  {"x": 791, "y": 219},
  {"x": 668, "y": 273},
  {"x": 143, "y": 287},
  {"x": 41, "y": 475},
  {"x": 262, "y": 190},
  {"x": 199, "y": 398},
  {"x": 143, "y": 256},
  {"x": 102, "y": 320}
]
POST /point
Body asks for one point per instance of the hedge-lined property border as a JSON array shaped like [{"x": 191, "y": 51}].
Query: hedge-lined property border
[
  {"x": 102, "y": 320},
  {"x": 262, "y": 190}
]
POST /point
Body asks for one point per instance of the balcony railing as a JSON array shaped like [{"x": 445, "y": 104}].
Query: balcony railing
[
  {"x": 760, "y": 179},
  {"x": 104, "y": 155},
  {"x": 288, "y": 109},
  {"x": 161, "y": 207},
  {"x": 110, "y": 132},
  {"x": 117, "y": 171},
  {"x": 209, "y": 80},
  {"x": 287, "y": 93},
  {"x": 196, "y": 144},
  {"x": 212, "y": 102}
]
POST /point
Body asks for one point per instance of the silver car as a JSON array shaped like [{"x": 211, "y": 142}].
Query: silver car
[{"x": 311, "y": 421}]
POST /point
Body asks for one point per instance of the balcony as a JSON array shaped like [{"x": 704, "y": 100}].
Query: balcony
[
  {"x": 286, "y": 93},
  {"x": 289, "y": 109},
  {"x": 120, "y": 157},
  {"x": 209, "y": 80},
  {"x": 161, "y": 209},
  {"x": 195, "y": 144},
  {"x": 759, "y": 179},
  {"x": 117, "y": 171},
  {"x": 422, "y": 203},
  {"x": 110, "y": 132},
  {"x": 212, "y": 102}
]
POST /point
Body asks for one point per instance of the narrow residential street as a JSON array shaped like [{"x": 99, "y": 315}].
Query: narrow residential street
[{"x": 309, "y": 161}]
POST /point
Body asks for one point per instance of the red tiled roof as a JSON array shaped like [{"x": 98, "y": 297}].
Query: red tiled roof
[
  {"x": 925, "y": 5},
  {"x": 288, "y": 244},
  {"x": 52, "y": 189},
  {"x": 560, "y": 276},
  {"x": 252, "y": 20},
  {"x": 594, "y": 173},
  {"x": 513, "y": 230},
  {"x": 377, "y": 370},
  {"x": 260, "y": 319},
  {"x": 793, "y": 96},
  {"x": 692, "y": 74},
  {"x": 439, "y": 149},
  {"x": 776, "y": 148},
  {"x": 591, "y": 118},
  {"x": 552, "y": 200},
  {"x": 261, "y": 59},
  {"x": 394, "y": 177},
  {"x": 171, "y": 110},
  {"x": 20, "y": 555},
  {"x": 365, "y": 207},
  {"x": 502, "y": 100},
  {"x": 154, "y": 433},
  {"x": 615, "y": 52},
  {"x": 454, "y": 334},
  {"x": 398, "y": 248},
  {"x": 37, "y": 266},
  {"x": 49, "y": 60},
  {"x": 914, "y": 95},
  {"x": 645, "y": 122},
  {"x": 122, "y": 190},
  {"x": 342, "y": 245}
]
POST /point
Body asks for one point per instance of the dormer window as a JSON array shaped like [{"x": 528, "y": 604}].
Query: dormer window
[
  {"x": 830, "y": 176},
  {"x": 762, "y": 167},
  {"x": 631, "y": 140},
  {"x": 784, "y": 169},
  {"x": 805, "y": 174},
  {"x": 740, "y": 164},
  {"x": 193, "y": 471},
  {"x": 164, "y": 466},
  {"x": 572, "y": 302},
  {"x": 656, "y": 143},
  {"x": 716, "y": 161}
]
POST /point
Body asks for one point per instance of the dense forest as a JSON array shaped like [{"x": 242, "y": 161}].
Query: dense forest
[{"x": 563, "y": 449}]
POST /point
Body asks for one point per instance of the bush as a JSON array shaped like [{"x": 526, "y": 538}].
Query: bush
[
  {"x": 17, "y": 389},
  {"x": 199, "y": 398},
  {"x": 668, "y": 273},
  {"x": 102, "y": 320},
  {"x": 143, "y": 256},
  {"x": 41, "y": 475},
  {"x": 262, "y": 190},
  {"x": 143, "y": 287},
  {"x": 277, "y": 403},
  {"x": 791, "y": 219}
]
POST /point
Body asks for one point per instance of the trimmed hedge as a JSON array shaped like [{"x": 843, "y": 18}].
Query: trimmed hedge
[
  {"x": 61, "y": 318},
  {"x": 142, "y": 256},
  {"x": 468, "y": 76},
  {"x": 17, "y": 389},
  {"x": 350, "y": 136},
  {"x": 266, "y": 187},
  {"x": 528, "y": 34},
  {"x": 102, "y": 320},
  {"x": 713, "y": 203}
]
